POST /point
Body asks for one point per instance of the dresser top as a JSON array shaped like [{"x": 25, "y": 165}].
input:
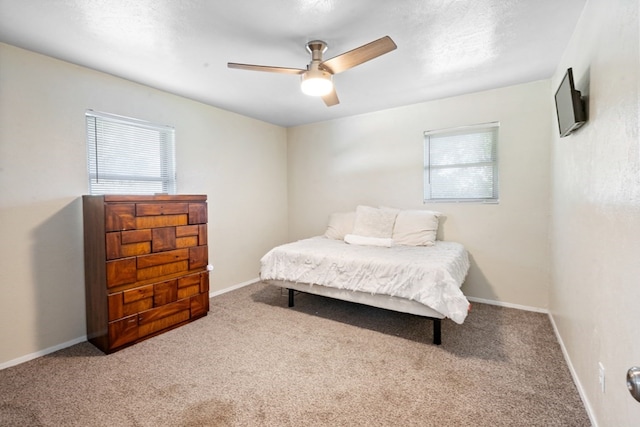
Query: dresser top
[{"x": 151, "y": 198}]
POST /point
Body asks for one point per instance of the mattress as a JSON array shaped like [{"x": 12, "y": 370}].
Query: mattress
[{"x": 430, "y": 275}]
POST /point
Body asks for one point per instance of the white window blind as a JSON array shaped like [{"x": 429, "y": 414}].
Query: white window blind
[
  {"x": 462, "y": 164},
  {"x": 129, "y": 156}
]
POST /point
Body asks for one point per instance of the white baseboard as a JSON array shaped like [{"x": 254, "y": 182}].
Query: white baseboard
[
  {"x": 574, "y": 376},
  {"x": 41, "y": 353},
  {"x": 508, "y": 305},
  {"x": 576, "y": 380},
  {"x": 233, "y": 288},
  {"x": 78, "y": 340},
  {"x": 472, "y": 299}
]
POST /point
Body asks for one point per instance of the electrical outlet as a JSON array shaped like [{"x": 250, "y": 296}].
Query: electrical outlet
[{"x": 601, "y": 376}]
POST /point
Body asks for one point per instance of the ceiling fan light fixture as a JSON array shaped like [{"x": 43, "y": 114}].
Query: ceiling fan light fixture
[{"x": 316, "y": 83}]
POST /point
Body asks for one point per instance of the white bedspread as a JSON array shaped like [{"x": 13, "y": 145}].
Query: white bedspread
[{"x": 430, "y": 275}]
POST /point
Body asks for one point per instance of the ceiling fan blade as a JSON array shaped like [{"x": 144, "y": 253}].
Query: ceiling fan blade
[
  {"x": 282, "y": 70},
  {"x": 359, "y": 55},
  {"x": 331, "y": 98}
]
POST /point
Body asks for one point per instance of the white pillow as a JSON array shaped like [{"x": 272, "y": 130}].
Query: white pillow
[
  {"x": 416, "y": 228},
  {"x": 340, "y": 224},
  {"x": 354, "y": 239},
  {"x": 374, "y": 222}
]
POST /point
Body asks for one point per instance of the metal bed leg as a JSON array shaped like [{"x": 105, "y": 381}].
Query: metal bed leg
[
  {"x": 437, "y": 334},
  {"x": 290, "y": 297}
]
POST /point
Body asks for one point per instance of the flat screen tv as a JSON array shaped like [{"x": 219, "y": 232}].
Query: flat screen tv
[{"x": 569, "y": 106}]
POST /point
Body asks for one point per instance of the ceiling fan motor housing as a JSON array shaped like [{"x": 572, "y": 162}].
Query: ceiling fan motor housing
[{"x": 316, "y": 48}]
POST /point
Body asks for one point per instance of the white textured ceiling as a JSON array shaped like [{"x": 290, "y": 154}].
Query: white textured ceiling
[{"x": 445, "y": 47}]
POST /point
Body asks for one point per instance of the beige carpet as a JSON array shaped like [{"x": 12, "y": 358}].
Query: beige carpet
[{"x": 255, "y": 362}]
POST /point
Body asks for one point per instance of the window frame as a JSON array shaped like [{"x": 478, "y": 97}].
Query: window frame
[
  {"x": 462, "y": 130},
  {"x": 164, "y": 155}
]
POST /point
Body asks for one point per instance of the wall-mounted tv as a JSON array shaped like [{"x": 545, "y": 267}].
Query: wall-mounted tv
[{"x": 569, "y": 106}]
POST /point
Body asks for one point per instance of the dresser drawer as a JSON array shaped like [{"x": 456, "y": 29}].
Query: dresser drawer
[
  {"x": 123, "y": 331},
  {"x": 164, "y": 317}
]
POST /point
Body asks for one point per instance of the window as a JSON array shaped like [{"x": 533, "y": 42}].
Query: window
[
  {"x": 461, "y": 164},
  {"x": 129, "y": 156}
]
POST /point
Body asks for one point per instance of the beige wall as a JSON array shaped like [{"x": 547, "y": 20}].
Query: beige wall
[
  {"x": 377, "y": 159},
  {"x": 240, "y": 163},
  {"x": 595, "y": 292}
]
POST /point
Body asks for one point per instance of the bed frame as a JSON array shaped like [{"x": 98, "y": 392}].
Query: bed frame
[{"x": 375, "y": 300}]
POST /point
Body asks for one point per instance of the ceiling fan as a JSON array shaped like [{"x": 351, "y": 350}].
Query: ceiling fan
[{"x": 317, "y": 77}]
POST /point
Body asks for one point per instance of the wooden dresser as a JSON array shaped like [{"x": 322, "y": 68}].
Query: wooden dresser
[{"x": 146, "y": 266}]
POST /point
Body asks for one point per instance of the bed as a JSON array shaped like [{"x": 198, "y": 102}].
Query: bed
[{"x": 381, "y": 257}]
